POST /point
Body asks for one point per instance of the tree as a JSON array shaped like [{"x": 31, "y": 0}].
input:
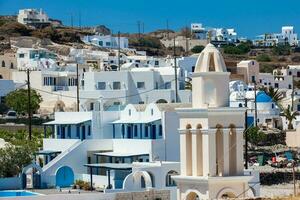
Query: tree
[
  {"x": 197, "y": 49},
  {"x": 276, "y": 95},
  {"x": 290, "y": 116},
  {"x": 18, "y": 101},
  {"x": 263, "y": 58},
  {"x": 241, "y": 48},
  {"x": 14, "y": 158},
  {"x": 255, "y": 136},
  {"x": 281, "y": 50}
]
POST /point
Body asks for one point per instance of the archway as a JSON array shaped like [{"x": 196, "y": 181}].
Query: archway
[
  {"x": 64, "y": 176},
  {"x": 31, "y": 176},
  {"x": 161, "y": 101},
  {"x": 226, "y": 193},
  {"x": 193, "y": 195},
  {"x": 169, "y": 181},
  {"x": 142, "y": 179}
]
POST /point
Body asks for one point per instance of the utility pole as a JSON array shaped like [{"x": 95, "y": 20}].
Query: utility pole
[
  {"x": 246, "y": 134},
  {"x": 77, "y": 88},
  {"x": 119, "y": 49},
  {"x": 139, "y": 28},
  {"x": 72, "y": 20},
  {"x": 79, "y": 20},
  {"x": 29, "y": 103},
  {"x": 255, "y": 104},
  {"x": 186, "y": 41},
  {"x": 168, "y": 29},
  {"x": 143, "y": 27},
  {"x": 294, "y": 178},
  {"x": 175, "y": 69},
  {"x": 293, "y": 96}
]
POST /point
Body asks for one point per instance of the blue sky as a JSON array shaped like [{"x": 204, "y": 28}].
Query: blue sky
[{"x": 250, "y": 18}]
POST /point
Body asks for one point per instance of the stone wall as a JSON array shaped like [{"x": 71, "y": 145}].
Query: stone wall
[{"x": 144, "y": 195}]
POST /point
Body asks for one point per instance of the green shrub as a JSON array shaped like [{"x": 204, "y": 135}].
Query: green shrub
[
  {"x": 263, "y": 58},
  {"x": 242, "y": 48},
  {"x": 197, "y": 49}
]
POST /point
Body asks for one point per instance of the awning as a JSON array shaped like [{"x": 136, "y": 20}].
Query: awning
[
  {"x": 121, "y": 154},
  {"x": 67, "y": 121},
  {"x": 110, "y": 166},
  {"x": 136, "y": 121}
]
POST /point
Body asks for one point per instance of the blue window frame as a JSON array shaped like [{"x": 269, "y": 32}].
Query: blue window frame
[
  {"x": 135, "y": 130},
  {"x": 146, "y": 131},
  {"x": 57, "y": 130},
  {"x": 69, "y": 131},
  {"x": 160, "y": 130}
]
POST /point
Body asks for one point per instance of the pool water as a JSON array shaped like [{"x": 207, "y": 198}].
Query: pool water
[{"x": 16, "y": 193}]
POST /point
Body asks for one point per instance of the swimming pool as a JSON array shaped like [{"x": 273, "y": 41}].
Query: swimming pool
[{"x": 16, "y": 193}]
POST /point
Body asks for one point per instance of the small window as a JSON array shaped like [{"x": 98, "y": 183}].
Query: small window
[
  {"x": 290, "y": 86},
  {"x": 3, "y": 63},
  {"x": 89, "y": 130},
  {"x": 101, "y": 86},
  {"x": 141, "y": 85},
  {"x": 240, "y": 105},
  {"x": 108, "y": 44},
  {"x": 116, "y": 85},
  {"x": 272, "y": 105},
  {"x": 152, "y": 112},
  {"x": 129, "y": 112},
  {"x": 101, "y": 43},
  {"x": 91, "y": 106},
  {"x": 135, "y": 130},
  {"x": 168, "y": 85},
  {"x": 156, "y": 62},
  {"x": 276, "y": 85},
  {"x": 21, "y": 55},
  {"x": 69, "y": 131},
  {"x": 160, "y": 130},
  {"x": 141, "y": 102},
  {"x": 290, "y": 73}
]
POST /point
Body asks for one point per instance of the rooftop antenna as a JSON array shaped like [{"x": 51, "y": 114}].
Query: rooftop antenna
[
  {"x": 139, "y": 28},
  {"x": 79, "y": 20},
  {"x": 167, "y": 28}
]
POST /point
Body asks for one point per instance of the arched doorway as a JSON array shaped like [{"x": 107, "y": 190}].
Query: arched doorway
[
  {"x": 192, "y": 196},
  {"x": 226, "y": 193},
  {"x": 31, "y": 176},
  {"x": 64, "y": 176}
]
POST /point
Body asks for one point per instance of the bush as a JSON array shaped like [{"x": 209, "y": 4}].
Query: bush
[
  {"x": 281, "y": 50},
  {"x": 197, "y": 49},
  {"x": 82, "y": 185},
  {"x": 266, "y": 68},
  {"x": 242, "y": 48},
  {"x": 263, "y": 58},
  {"x": 255, "y": 136}
]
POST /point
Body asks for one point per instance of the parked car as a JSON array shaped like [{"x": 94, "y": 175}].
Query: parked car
[{"x": 11, "y": 115}]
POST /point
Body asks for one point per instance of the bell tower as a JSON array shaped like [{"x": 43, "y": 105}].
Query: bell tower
[
  {"x": 211, "y": 135},
  {"x": 210, "y": 80}
]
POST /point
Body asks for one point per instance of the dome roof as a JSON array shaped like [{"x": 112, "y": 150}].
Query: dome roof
[
  {"x": 262, "y": 97},
  {"x": 210, "y": 60}
]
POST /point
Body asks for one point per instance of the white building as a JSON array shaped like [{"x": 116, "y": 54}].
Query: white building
[
  {"x": 32, "y": 17},
  {"x": 6, "y": 86},
  {"x": 282, "y": 82},
  {"x": 35, "y": 59},
  {"x": 199, "y": 31},
  {"x": 137, "y": 86},
  {"x": 211, "y": 142},
  {"x": 287, "y": 36},
  {"x": 106, "y": 41}
]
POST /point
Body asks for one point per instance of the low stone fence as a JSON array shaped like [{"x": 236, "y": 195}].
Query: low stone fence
[
  {"x": 144, "y": 195},
  {"x": 278, "y": 177}
]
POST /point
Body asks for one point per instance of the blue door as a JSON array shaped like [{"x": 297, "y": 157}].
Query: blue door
[
  {"x": 153, "y": 131},
  {"x": 63, "y": 132},
  {"x": 64, "y": 177},
  {"x": 129, "y": 132}
]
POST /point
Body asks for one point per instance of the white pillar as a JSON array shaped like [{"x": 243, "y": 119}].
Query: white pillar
[
  {"x": 197, "y": 156},
  {"x": 226, "y": 152},
  {"x": 209, "y": 152},
  {"x": 239, "y": 151}
]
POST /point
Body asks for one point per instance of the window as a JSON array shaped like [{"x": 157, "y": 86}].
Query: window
[
  {"x": 152, "y": 112},
  {"x": 69, "y": 131},
  {"x": 290, "y": 86},
  {"x": 89, "y": 160},
  {"x": 156, "y": 62},
  {"x": 116, "y": 85},
  {"x": 160, "y": 131},
  {"x": 78, "y": 131},
  {"x": 146, "y": 131},
  {"x": 168, "y": 85},
  {"x": 169, "y": 181},
  {"x": 135, "y": 130},
  {"x": 141, "y": 85},
  {"x": 101, "y": 86},
  {"x": 141, "y": 102},
  {"x": 129, "y": 112},
  {"x": 240, "y": 105},
  {"x": 272, "y": 105},
  {"x": 276, "y": 85},
  {"x": 57, "y": 130},
  {"x": 89, "y": 130},
  {"x": 290, "y": 73},
  {"x": 260, "y": 80},
  {"x": 253, "y": 79},
  {"x": 193, "y": 68},
  {"x": 21, "y": 55},
  {"x": 101, "y": 43},
  {"x": 3, "y": 63},
  {"x": 92, "y": 106},
  {"x": 108, "y": 44}
]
